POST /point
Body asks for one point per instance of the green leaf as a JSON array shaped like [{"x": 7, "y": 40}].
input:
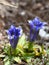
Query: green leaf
[
  {"x": 30, "y": 46},
  {"x": 2, "y": 55},
  {"x": 28, "y": 59},
  {"x": 22, "y": 42},
  {"x": 7, "y": 50},
  {"x": 47, "y": 51},
  {"x": 5, "y": 59},
  {"x": 7, "y": 62},
  {"x": 21, "y": 51},
  {"x": 47, "y": 63},
  {"x": 26, "y": 45},
  {"x": 17, "y": 59}
]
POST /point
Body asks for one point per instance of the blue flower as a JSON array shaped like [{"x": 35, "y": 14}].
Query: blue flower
[
  {"x": 35, "y": 25},
  {"x": 13, "y": 35}
]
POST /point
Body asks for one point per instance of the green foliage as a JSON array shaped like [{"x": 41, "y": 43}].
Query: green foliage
[
  {"x": 7, "y": 62},
  {"x": 25, "y": 50},
  {"x": 17, "y": 59},
  {"x": 47, "y": 51},
  {"x": 47, "y": 63},
  {"x": 21, "y": 42}
]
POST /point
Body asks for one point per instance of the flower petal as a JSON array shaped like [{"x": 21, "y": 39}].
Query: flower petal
[
  {"x": 35, "y": 25},
  {"x": 13, "y": 35}
]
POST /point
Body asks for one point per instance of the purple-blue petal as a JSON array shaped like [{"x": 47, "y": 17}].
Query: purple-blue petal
[
  {"x": 13, "y": 35},
  {"x": 14, "y": 41},
  {"x": 11, "y": 30},
  {"x": 33, "y": 35},
  {"x": 35, "y": 25}
]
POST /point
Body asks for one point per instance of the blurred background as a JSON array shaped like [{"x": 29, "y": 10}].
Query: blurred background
[{"x": 18, "y": 12}]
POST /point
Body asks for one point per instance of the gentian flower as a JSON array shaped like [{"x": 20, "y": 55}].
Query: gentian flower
[
  {"x": 35, "y": 26},
  {"x": 13, "y": 35}
]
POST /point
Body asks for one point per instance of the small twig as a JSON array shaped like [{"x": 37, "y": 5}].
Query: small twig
[{"x": 7, "y": 4}]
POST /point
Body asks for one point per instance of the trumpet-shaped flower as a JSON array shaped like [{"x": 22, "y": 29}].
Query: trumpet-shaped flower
[
  {"x": 13, "y": 35},
  {"x": 35, "y": 26}
]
